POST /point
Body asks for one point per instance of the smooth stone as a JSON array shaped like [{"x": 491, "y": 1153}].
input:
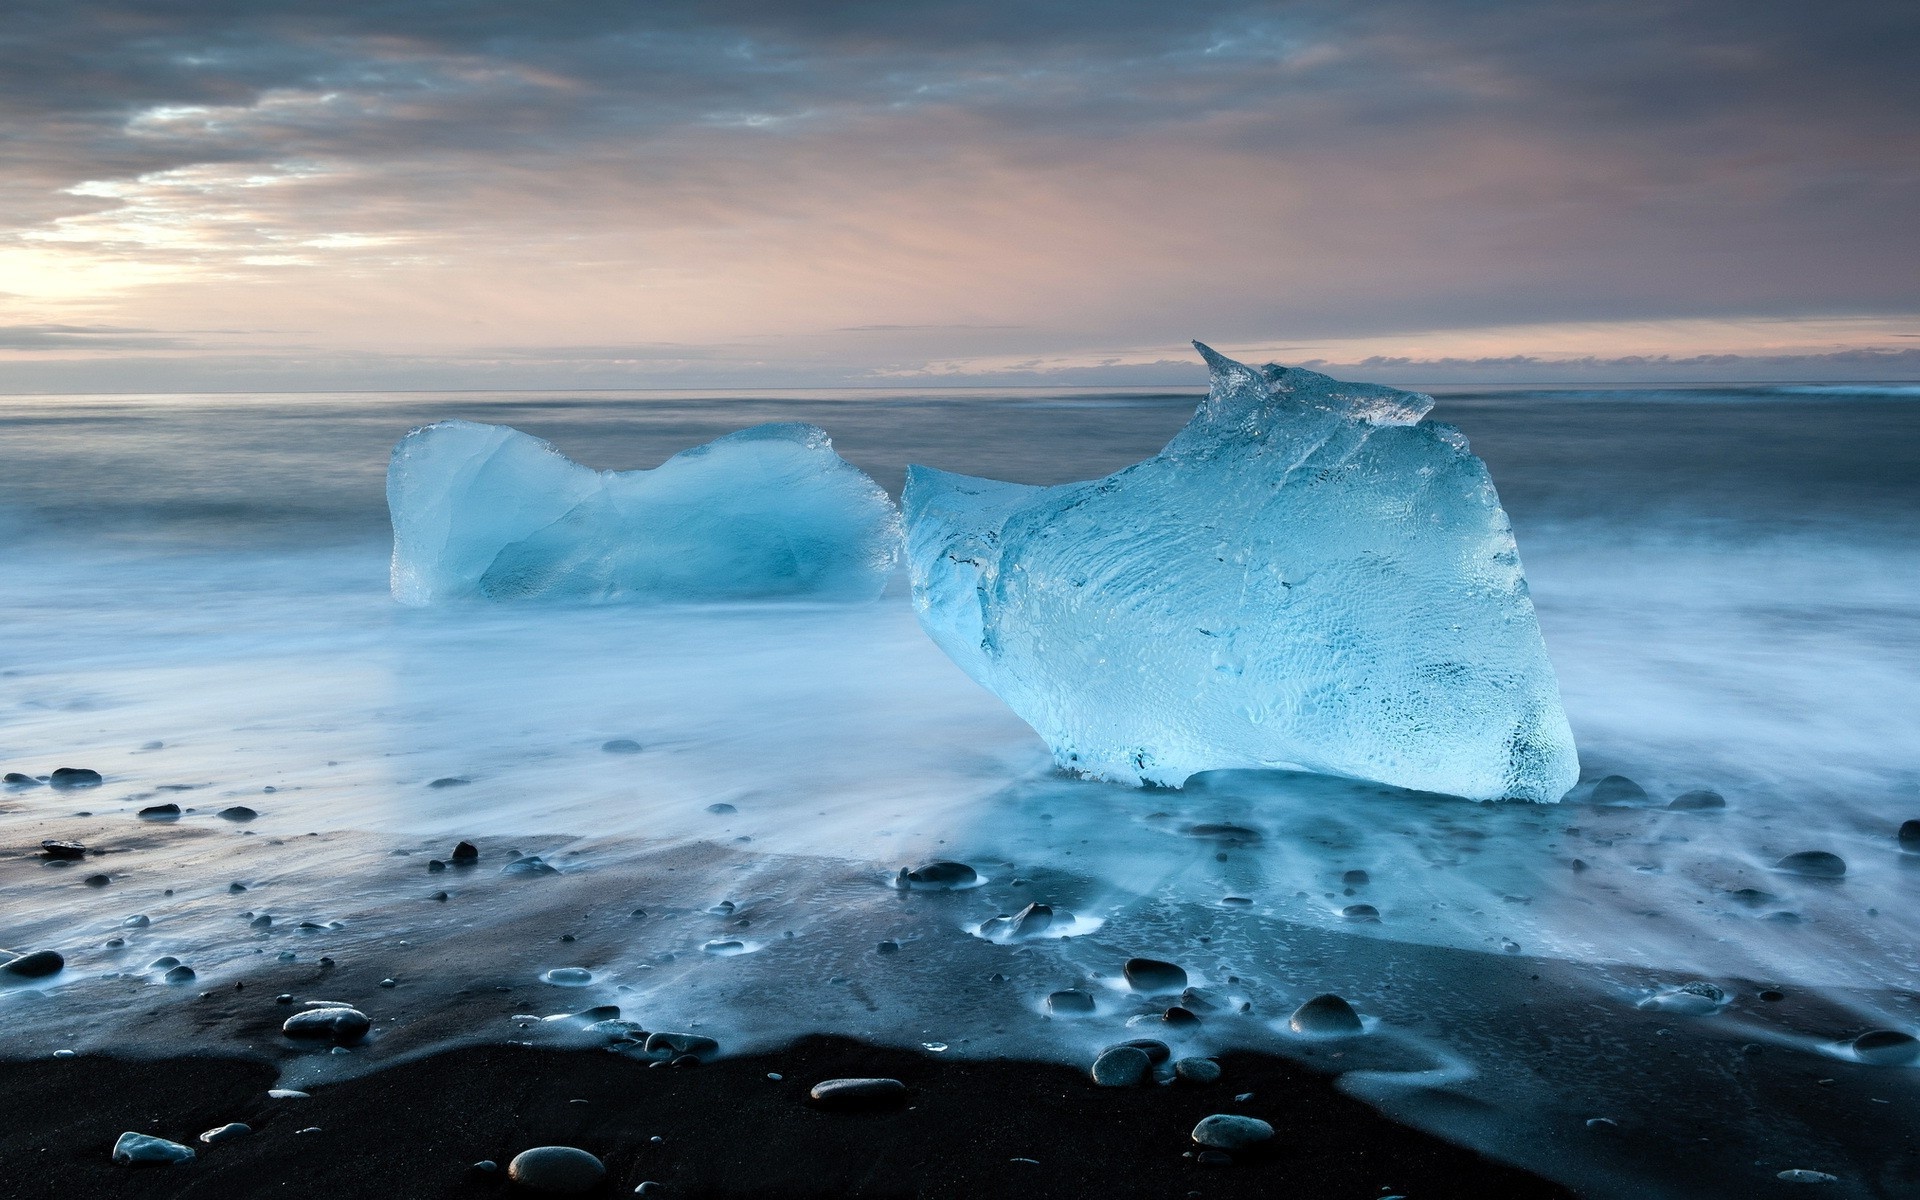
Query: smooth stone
[
  {"x": 465, "y": 854},
  {"x": 97, "y": 881},
  {"x": 1122, "y": 1066},
  {"x": 159, "y": 812},
  {"x": 568, "y": 976},
  {"x": 74, "y": 777},
  {"x": 858, "y": 1093},
  {"x": 1151, "y": 976},
  {"x": 1180, "y": 1017},
  {"x": 729, "y": 946},
  {"x": 1070, "y": 1003},
  {"x": 16, "y": 779},
  {"x": 163, "y": 962},
  {"x": 1030, "y": 922},
  {"x": 1236, "y": 901},
  {"x": 1910, "y": 836},
  {"x": 1157, "y": 1052},
  {"x": 622, "y": 746},
  {"x": 1325, "y": 1015},
  {"x": 63, "y": 850},
  {"x": 139, "y": 1150},
  {"x": 238, "y": 812},
  {"x": 1356, "y": 878},
  {"x": 1698, "y": 998},
  {"x": 226, "y": 1133},
  {"x": 680, "y": 1043},
  {"x": 1196, "y": 1070},
  {"x": 1816, "y": 864},
  {"x": 1361, "y": 912},
  {"x": 1699, "y": 800},
  {"x": 1229, "y": 1131},
  {"x": 35, "y": 965},
  {"x": 1220, "y": 831},
  {"x": 937, "y": 876},
  {"x": 1802, "y": 1175},
  {"x": 1214, "y": 1158},
  {"x": 448, "y": 781},
  {"x": 434, "y": 864},
  {"x": 1886, "y": 1048},
  {"x": 532, "y": 864},
  {"x": 1200, "y": 1000},
  {"x": 288, "y": 1094},
  {"x": 261, "y": 922},
  {"x": 236, "y": 887},
  {"x": 721, "y": 809},
  {"x": 339, "y": 1024},
  {"x": 556, "y": 1170},
  {"x": 1618, "y": 789},
  {"x": 181, "y": 974},
  {"x": 136, "y": 921}
]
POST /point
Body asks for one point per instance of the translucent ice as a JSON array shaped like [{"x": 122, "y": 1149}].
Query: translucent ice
[
  {"x": 1307, "y": 576},
  {"x": 487, "y": 511}
]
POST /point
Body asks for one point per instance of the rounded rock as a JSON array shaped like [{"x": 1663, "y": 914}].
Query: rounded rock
[
  {"x": 238, "y": 812},
  {"x": 226, "y": 1133},
  {"x": 159, "y": 812},
  {"x": 532, "y": 864},
  {"x": 341, "y": 1025},
  {"x": 36, "y": 965},
  {"x": 1361, "y": 912},
  {"x": 858, "y": 1093},
  {"x": 465, "y": 854},
  {"x": 1618, "y": 789},
  {"x": 556, "y": 1170},
  {"x": 1197, "y": 1070},
  {"x": 1151, "y": 976},
  {"x": 1815, "y": 864},
  {"x": 74, "y": 777},
  {"x": 1157, "y": 1052},
  {"x": 622, "y": 746},
  {"x": 1698, "y": 800},
  {"x": 937, "y": 877},
  {"x": 1070, "y": 1003},
  {"x": 1325, "y": 1015},
  {"x": 65, "y": 851},
  {"x": 1228, "y": 1131},
  {"x": 1122, "y": 1066},
  {"x": 1910, "y": 836},
  {"x": 1886, "y": 1048}
]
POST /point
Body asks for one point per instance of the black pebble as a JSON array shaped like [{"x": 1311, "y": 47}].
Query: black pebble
[
  {"x": 160, "y": 812},
  {"x": 75, "y": 777},
  {"x": 97, "y": 881},
  {"x": 238, "y": 812},
  {"x": 1909, "y": 835},
  {"x": 465, "y": 853},
  {"x": 63, "y": 850}
]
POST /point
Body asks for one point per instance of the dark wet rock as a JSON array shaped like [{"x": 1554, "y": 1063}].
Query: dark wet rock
[
  {"x": 162, "y": 963},
  {"x": 622, "y": 746},
  {"x": 858, "y": 1093},
  {"x": 140, "y": 1150},
  {"x": 681, "y": 1043},
  {"x": 556, "y": 1171},
  {"x": 1602, "y": 1124},
  {"x": 449, "y": 781},
  {"x": 1197, "y": 1071},
  {"x": 1070, "y": 1003},
  {"x": 181, "y": 974},
  {"x": 1236, "y": 901},
  {"x": 62, "y": 850},
  {"x": 568, "y": 976},
  {"x": 226, "y": 1133},
  {"x": 937, "y": 876},
  {"x": 263, "y": 921},
  {"x": 440, "y": 896},
  {"x": 721, "y": 809},
  {"x": 1753, "y": 897},
  {"x": 1815, "y": 864},
  {"x": 1803, "y": 1175},
  {"x": 15, "y": 779},
  {"x": 236, "y": 887},
  {"x": 1122, "y": 1066},
  {"x": 1361, "y": 912},
  {"x": 137, "y": 921},
  {"x": 1698, "y": 800},
  {"x": 1910, "y": 836},
  {"x": 1229, "y": 1131},
  {"x": 341, "y": 1025},
  {"x": 1033, "y": 921},
  {"x": 465, "y": 854},
  {"x": 532, "y": 864},
  {"x": 1356, "y": 878},
  {"x": 1156, "y": 1051},
  {"x": 238, "y": 812},
  {"x": 1325, "y": 1015},
  {"x": 1578, "y": 864},
  {"x": 97, "y": 881},
  {"x": 435, "y": 865},
  {"x": 37, "y": 964},
  {"x": 728, "y": 946},
  {"x": 1618, "y": 789},
  {"x": 1201, "y": 1000},
  {"x": 887, "y": 947},
  {"x": 1886, "y": 1048},
  {"x": 75, "y": 777},
  {"x": 725, "y": 908},
  {"x": 1773, "y": 995},
  {"x": 1180, "y": 1018},
  {"x": 1223, "y": 832},
  {"x": 1151, "y": 976},
  {"x": 160, "y": 812}
]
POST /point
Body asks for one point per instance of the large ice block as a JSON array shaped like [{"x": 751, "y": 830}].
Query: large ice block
[
  {"x": 1308, "y": 576},
  {"x": 484, "y": 511}
]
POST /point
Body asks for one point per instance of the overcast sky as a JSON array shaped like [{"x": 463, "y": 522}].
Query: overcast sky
[{"x": 401, "y": 193}]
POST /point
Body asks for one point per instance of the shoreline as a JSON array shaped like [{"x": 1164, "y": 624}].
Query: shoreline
[{"x": 969, "y": 1127}]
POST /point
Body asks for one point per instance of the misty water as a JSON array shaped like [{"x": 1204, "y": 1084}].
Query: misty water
[{"x": 193, "y": 601}]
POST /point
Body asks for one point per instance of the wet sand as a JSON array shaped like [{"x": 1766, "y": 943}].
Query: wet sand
[{"x": 728, "y": 1130}]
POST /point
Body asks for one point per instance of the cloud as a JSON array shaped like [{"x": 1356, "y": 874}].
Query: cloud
[{"x": 81, "y": 337}]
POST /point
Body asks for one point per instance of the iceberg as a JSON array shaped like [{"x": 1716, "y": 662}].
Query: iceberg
[
  {"x": 1309, "y": 577},
  {"x": 488, "y": 512}
]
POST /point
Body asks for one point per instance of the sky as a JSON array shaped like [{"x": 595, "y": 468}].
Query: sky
[{"x": 271, "y": 195}]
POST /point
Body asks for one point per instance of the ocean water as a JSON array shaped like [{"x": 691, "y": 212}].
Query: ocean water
[{"x": 193, "y": 601}]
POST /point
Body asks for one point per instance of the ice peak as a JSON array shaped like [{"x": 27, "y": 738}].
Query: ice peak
[{"x": 1236, "y": 392}]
